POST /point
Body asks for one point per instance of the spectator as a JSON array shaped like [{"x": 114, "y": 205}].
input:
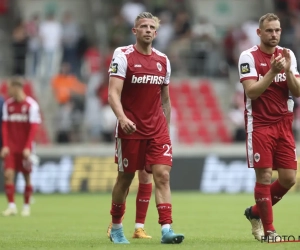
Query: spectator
[
  {"x": 69, "y": 94},
  {"x": 204, "y": 44},
  {"x": 70, "y": 40},
  {"x": 51, "y": 38},
  {"x": 34, "y": 44},
  {"x": 19, "y": 44},
  {"x": 165, "y": 31}
]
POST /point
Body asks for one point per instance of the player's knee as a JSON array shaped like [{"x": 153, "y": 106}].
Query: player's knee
[
  {"x": 162, "y": 178},
  {"x": 144, "y": 177},
  {"x": 264, "y": 175},
  {"x": 125, "y": 179},
  {"x": 287, "y": 181},
  {"x": 8, "y": 176}
]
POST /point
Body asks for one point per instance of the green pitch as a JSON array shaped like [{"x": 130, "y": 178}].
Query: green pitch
[{"x": 72, "y": 222}]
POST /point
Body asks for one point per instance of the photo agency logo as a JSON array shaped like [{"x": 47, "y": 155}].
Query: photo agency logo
[{"x": 280, "y": 238}]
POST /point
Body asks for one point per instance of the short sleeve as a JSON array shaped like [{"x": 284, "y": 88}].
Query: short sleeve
[
  {"x": 34, "y": 113},
  {"x": 294, "y": 67},
  {"x": 118, "y": 66},
  {"x": 168, "y": 73},
  {"x": 246, "y": 67},
  {"x": 4, "y": 112}
]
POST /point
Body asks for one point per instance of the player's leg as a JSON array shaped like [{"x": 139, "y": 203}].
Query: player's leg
[
  {"x": 27, "y": 194},
  {"x": 142, "y": 203},
  {"x": 128, "y": 159},
  {"x": 9, "y": 185},
  {"x": 260, "y": 158},
  {"x": 159, "y": 158}
]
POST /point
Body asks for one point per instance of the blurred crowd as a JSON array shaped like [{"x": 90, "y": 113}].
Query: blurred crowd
[{"x": 57, "y": 50}]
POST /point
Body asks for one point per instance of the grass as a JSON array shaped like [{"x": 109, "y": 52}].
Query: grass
[{"x": 79, "y": 221}]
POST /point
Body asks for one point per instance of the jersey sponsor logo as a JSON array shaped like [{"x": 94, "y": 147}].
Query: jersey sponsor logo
[
  {"x": 245, "y": 68},
  {"x": 281, "y": 77},
  {"x": 18, "y": 118},
  {"x": 263, "y": 64},
  {"x": 148, "y": 79},
  {"x": 137, "y": 65}
]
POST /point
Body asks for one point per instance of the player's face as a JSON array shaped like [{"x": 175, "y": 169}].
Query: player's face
[
  {"x": 12, "y": 90},
  {"x": 145, "y": 30},
  {"x": 270, "y": 33}
]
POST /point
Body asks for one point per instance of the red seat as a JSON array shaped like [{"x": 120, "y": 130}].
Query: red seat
[
  {"x": 205, "y": 88},
  {"x": 216, "y": 116},
  {"x": 185, "y": 88},
  {"x": 223, "y": 133},
  {"x": 196, "y": 115}
]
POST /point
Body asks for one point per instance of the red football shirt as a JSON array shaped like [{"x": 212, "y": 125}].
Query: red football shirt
[
  {"x": 144, "y": 76},
  {"x": 271, "y": 106},
  {"x": 19, "y": 121}
]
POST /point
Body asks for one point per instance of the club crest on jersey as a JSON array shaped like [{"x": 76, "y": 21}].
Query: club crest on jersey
[
  {"x": 159, "y": 67},
  {"x": 257, "y": 157},
  {"x": 245, "y": 68},
  {"x": 125, "y": 162},
  {"x": 24, "y": 109}
]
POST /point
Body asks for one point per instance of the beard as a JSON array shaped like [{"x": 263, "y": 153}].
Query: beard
[{"x": 271, "y": 43}]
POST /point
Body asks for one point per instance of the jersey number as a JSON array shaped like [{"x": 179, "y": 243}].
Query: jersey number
[{"x": 167, "y": 153}]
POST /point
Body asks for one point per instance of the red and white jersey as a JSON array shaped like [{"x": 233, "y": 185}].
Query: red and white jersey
[
  {"x": 271, "y": 106},
  {"x": 19, "y": 118},
  {"x": 144, "y": 76}
]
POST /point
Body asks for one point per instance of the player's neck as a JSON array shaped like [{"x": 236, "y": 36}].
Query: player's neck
[
  {"x": 267, "y": 50},
  {"x": 143, "y": 49}
]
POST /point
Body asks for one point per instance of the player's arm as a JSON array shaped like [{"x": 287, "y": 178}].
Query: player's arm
[
  {"x": 117, "y": 72},
  {"x": 248, "y": 75},
  {"x": 5, "y": 148},
  {"x": 34, "y": 121},
  {"x": 165, "y": 96},
  {"x": 292, "y": 74},
  {"x": 114, "y": 99},
  {"x": 166, "y": 103}
]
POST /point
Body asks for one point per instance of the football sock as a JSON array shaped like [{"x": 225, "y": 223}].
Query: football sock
[
  {"x": 142, "y": 202},
  {"x": 167, "y": 226},
  {"x": 164, "y": 213},
  {"x": 117, "y": 211},
  {"x": 277, "y": 192},
  {"x": 27, "y": 194},
  {"x": 139, "y": 225},
  {"x": 116, "y": 226},
  {"x": 262, "y": 194},
  {"x": 12, "y": 205},
  {"x": 10, "y": 192}
]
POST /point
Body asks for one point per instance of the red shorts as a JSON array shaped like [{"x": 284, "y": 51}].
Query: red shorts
[
  {"x": 272, "y": 146},
  {"x": 17, "y": 162},
  {"x": 139, "y": 154}
]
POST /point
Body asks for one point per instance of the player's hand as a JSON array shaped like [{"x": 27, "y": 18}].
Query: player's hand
[
  {"x": 4, "y": 152},
  {"x": 288, "y": 60},
  {"x": 278, "y": 63},
  {"x": 26, "y": 153},
  {"x": 127, "y": 126}
]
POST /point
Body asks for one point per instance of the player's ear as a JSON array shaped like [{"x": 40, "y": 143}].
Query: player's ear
[
  {"x": 134, "y": 31},
  {"x": 258, "y": 32}
]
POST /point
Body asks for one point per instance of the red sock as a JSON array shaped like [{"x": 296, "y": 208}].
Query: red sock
[
  {"x": 10, "y": 192},
  {"x": 262, "y": 194},
  {"x": 27, "y": 194},
  {"x": 164, "y": 213},
  {"x": 277, "y": 192},
  {"x": 117, "y": 211},
  {"x": 142, "y": 202}
]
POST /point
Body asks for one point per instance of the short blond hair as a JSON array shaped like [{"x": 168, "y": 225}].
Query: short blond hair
[
  {"x": 269, "y": 17},
  {"x": 16, "y": 81},
  {"x": 147, "y": 15}
]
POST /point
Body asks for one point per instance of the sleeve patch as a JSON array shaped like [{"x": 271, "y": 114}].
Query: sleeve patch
[
  {"x": 113, "y": 68},
  {"x": 245, "y": 68}
]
